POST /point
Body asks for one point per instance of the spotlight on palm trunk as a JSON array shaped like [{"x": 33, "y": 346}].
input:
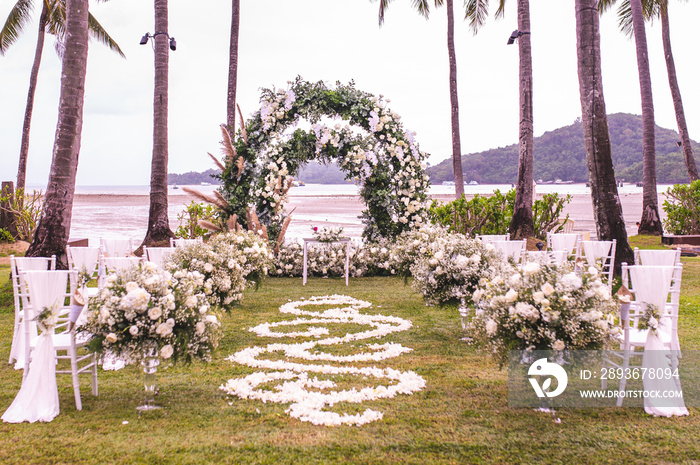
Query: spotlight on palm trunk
[{"x": 515, "y": 35}]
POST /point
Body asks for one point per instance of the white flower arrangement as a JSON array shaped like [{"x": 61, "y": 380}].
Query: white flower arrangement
[
  {"x": 450, "y": 266},
  {"x": 329, "y": 260},
  {"x": 310, "y": 396},
  {"x": 542, "y": 307},
  {"x": 413, "y": 245},
  {"x": 143, "y": 306},
  {"x": 256, "y": 258},
  {"x": 327, "y": 234},
  {"x": 220, "y": 268}
]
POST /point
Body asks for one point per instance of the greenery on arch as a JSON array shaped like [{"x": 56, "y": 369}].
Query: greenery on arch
[{"x": 371, "y": 147}]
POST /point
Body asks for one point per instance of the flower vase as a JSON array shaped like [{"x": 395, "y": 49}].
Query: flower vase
[
  {"x": 464, "y": 315},
  {"x": 150, "y": 364}
]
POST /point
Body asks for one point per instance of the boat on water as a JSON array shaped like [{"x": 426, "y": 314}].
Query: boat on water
[
  {"x": 204, "y": 183},
  {"x": 473, "y": 183},
  {"x": 298, "y": 183}
]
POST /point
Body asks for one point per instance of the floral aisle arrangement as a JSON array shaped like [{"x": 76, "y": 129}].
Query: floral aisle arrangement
[
  {"x": 256, "y": 258},
  {"x": 542, "y": 307},
  {"x": 143, "y": 306},
  {"x": 329, "y": 260},
  {"x": 222, "y": 274},
  {"x": 297, "y": 383},
  {"x": 412, "y": 245},
  {"x": 327, "y": 234},
  {"x": 450, "y": 266}
]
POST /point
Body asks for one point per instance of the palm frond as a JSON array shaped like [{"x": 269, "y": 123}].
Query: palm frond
[
  {"x": 243, "y": 131},
  {"x": 19, "y": 17},
  {"x": 605, "y": 5},
  {"x": 624, "y": 18},
  {"x": 97, "y": 32},
  {"x": 217, "y": 162},
  {"x": 476, "y": 11},
  {"x": 500, "y": 12},
  {"x": 56, "y": 22},
  {"x": 383, "y": 4},
  {"x": 423, "y": 6}
]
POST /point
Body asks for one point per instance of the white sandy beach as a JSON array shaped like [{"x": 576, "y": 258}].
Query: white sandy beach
[{"x": 115, "y": 215}]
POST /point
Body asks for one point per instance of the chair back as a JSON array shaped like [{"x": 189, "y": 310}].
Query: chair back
[
  {"x": 183, "y": 242},
  {"x": 657, "y": 257},
  {"x": 157, "y": 255},
  {"x": 567, "y": 225},
  {"x": 655, "y": 285},
  {"x": 84, "y": 258},
  {"x": 547, "y": 257},
  {"x": 489, "y": 238},
  {"x": 117, "y": 247},
  {"x": 598, "y": 253},
  {"x": 511, "y": 250},
  {"x": 17, "y": 266},
  {"x": 562, "y": 241}
]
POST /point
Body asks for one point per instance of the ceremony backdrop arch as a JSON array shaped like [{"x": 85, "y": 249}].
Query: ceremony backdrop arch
[{"x": 371, "y": 147}]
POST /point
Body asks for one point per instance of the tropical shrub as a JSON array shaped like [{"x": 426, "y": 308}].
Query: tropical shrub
[{"x": 682, "y": 207}]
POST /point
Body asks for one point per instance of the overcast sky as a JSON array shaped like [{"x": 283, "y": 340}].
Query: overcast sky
[{"x": 330, "y": 40}]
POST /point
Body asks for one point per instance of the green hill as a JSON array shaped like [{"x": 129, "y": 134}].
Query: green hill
[{"x": 560, "y": 154}]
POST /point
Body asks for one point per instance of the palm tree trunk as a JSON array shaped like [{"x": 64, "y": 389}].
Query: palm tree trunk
[
  {"x": 676, "y": 96},
  {"x": 233, "y": 69},
  {"x": 521, "y": 225},
  {"x": 607, "y": 209},
  {"x": 158, "y": 223},
  {"x": 24, "y": 148},
  {"x": 52, "y": 233},
  {"x": 454, "y": 103},
  {"x": 650, "y": 222}
]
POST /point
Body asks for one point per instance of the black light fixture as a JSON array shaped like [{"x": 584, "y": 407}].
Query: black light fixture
[
  {"x": 146, "y": 36},
  {"x": 516, "y": 34}
]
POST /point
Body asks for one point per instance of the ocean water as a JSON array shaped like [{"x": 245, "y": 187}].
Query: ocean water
[{"x": 99, "y": 219}]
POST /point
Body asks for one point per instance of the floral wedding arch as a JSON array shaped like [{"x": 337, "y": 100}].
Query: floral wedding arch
[{"x": 366, "y": 140}]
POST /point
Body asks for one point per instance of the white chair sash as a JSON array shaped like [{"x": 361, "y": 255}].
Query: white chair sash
[
  {"x": 564, "y": 242},
  {"x": 37, "y": 399},
  {"x": 657, "y": 257},
  {"x": 593, "y": 250},
  {"x": 510, "y": 249},
  {"x": 116, "y": 247},
  {"x": 120, "y": 263},
  {"x": 158, "y": 254},
  {"x": 652, "y": 285},
  {"x": 85, "y": 257}
]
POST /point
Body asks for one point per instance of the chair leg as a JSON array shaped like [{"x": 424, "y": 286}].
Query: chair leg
[
  {"x": 94, "y": 375},
  {"x": 76, "y": 381},
  {"x": 623, "y": 381}
]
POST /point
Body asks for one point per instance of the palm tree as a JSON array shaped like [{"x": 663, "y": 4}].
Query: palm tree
[
  {"x": 158, "y": 222},
  {"x": 51, "y": 235},
  {"x": 651, "y": 221},
  {"x": 233, "y": 68},
  {"x": 423, "y": 8},
  {"x": 52, "y": 20},
  {"x": 659, "y": 9},
  {"x": 607, "y": 209},
  {"x": 521, "y": 224}
]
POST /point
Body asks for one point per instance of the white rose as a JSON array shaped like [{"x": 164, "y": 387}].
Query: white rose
[
  {"x": 111, "y": 338},
  {"x": 212, "y": 319},
  {"x": 208, "y": 267},
  {"x": 199, "y": 327},
  {"x": 558, "y": 345},
  {"x": 131, "y": 286},
  {"x": 154, "y": 313},
  {"x": 511, "y": 295},
  {"x": 547, "y": 289},
  {"x": 491, "y": 327},
  {"x": 191, "y": 301},
  {"x": 167, "y": 351},
  {"x": 134, "y": 330},
  {"x": 531, "y": 268}
]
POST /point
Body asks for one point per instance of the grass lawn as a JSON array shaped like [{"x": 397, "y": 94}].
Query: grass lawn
[{"x": 460, "y": 417}]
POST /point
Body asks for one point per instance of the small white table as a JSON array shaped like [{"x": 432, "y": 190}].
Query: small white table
[{"x": 313, "y": 240}]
